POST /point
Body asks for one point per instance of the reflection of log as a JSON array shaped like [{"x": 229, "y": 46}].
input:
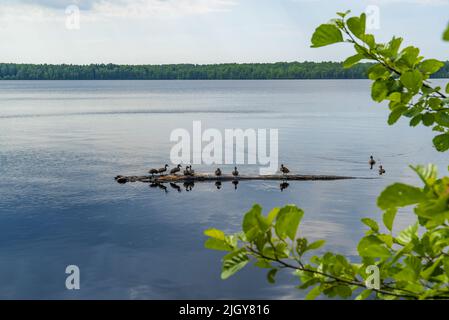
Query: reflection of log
[{"x": 212, "y": 177}]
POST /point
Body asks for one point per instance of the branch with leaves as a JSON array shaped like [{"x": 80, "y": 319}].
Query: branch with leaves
[
  {"x": 411, "y": 266},
  {"x": 400, "y": 76}
]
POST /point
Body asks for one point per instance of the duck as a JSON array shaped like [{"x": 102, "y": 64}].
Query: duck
[
  {"x": 235, "y": 173},
  {"x": 192, "y": 172},
  {"x": 187, "y": 171},
  {"x": 176, "y": 170},
  {"x": 235, "y": 183},
  {"x": 218, "y": 172},
  {"x": 284, "y": 170},
  {"x": 381, "y": 170},
  {"x": 371, "y": 162},
  {"x": 218, "y": 184},
  {"x": 153, "y": 171},
  {"x": 162, "y": 170}
]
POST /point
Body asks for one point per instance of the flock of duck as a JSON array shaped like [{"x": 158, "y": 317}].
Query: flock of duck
[{"x": 189, "y": 172}]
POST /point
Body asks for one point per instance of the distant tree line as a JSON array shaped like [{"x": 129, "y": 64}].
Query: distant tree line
[{"x": 280, "y": 70}]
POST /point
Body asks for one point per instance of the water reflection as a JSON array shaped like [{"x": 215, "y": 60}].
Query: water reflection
[
  {"x": 284, "y": 185},
  {"x": 189, "y": 185}
]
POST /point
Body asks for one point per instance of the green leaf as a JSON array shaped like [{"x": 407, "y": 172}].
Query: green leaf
[
  {"x": 412, "y": 80},
  {"x": 357, "y": 25},
  {"x": 388, "y": 218},
  {"x": 364, "y": 294},
  {"x": 428, "y": 174},
  {"x": 416, "y": 120},
  {"x": 396, "y": 114},
  {"x": 316, "y": 245},
  {"x": 371, "y": 246},
  {"x": 215, "y": 244},
  {"x": 379, "y": 90},
  {"x": 371, "y": 223},
  {"x": 287, "y": 221},
  {"x": 377, "y": 71},
  {"x": 400, "y": 195},
  {"x": 427, "y": 273},
  {"x": 271, "y": 275},
  {"x": 442, "y": 118},
  {"x": 428, "y": 119},
  {"x": 314, "y": 293},
  {"x": 254, "y": 223},
  {"x": 406, "y": 235},
  {"x": 447, "y": 88},
  {"x": 233, "y": 262},
  {"x": 441, "y": 142},
  {"x": 446, "y": 34},
  {"x": 352, "y": 60},
  {"x": 216, "y": 234},
  {"x": 326, "y": 34},
  {"x": 430, "y": 66}
]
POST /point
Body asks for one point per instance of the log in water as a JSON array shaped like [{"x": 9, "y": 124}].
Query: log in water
[{"x": 212, "y": 177}]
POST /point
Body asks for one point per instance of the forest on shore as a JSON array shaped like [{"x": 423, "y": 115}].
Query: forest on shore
[{"x": 229, "y": 71}]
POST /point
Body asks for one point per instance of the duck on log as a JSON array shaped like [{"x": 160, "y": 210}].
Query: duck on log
[{"x": 212, "y": 177}]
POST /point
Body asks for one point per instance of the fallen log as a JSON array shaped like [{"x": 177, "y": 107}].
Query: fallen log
[{"x": 213, "y": 178}]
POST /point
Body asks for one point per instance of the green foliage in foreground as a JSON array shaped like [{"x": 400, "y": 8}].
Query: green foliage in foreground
[
  {"x": 258, "y": 71},
  {"x": 412, "y": 264},
  {"x": 400, "y": 75}
]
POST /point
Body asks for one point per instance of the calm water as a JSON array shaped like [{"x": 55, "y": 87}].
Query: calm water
[{"x": 61, "y": 144}]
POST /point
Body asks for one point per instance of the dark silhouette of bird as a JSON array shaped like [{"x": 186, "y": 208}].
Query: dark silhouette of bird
[
  {"x": 161, "y": 186},
  {"x": 189, "y": 185},
  {"x": 191, "y": 171},
  {"x": 162, "y": 170},
  {"x": 175, "y": 186},
  {"x": 381, "y": 170},
  {"x": 283, "y": 186},
  {"x": 153, "y": 171},
  {"x": 235, "y": 183},
  {"x": 235, "y": 173},
  {"x": 218, "y": 172},
  {"x": 187, "y": 171},
  {"x": 371, "y": 162},
  {"x": 176, "y": 170},
  {"x": 218, "y": 184},
  {"x": 284, "y": 170}
]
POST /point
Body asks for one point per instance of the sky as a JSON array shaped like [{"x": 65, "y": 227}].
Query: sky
[{"x": 202, "y": 31}]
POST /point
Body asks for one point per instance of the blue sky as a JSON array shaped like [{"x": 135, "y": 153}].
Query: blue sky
[{"x": 202, "y": 31}]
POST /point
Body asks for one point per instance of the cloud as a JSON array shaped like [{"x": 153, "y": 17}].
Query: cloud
[{"x": 91, "y": 9}]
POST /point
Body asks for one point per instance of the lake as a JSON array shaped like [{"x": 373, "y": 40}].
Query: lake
[{"x": 63, "y": 142}]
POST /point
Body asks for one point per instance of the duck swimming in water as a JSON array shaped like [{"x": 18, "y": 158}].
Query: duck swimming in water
[
  {"x": 235, "y": 173},
  {"x": 218, "y": 172},
  {"x": 381, "y": 170},
  {"x": 371, "y": 162}
]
